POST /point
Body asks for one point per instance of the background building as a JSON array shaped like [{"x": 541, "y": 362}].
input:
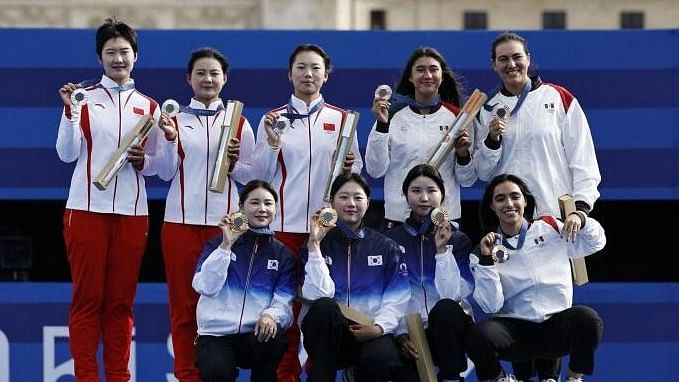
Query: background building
[{"x": 345, "y": 14}]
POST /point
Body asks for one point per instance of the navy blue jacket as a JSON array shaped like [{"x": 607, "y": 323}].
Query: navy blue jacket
[{"x": 363, "y": 270}]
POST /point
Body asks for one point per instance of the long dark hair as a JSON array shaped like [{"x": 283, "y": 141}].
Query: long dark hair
[
  {"x": 489, "y": 220},
  {"x": 450, "y": 89}
]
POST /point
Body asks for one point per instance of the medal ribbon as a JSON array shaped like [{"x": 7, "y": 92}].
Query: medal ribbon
[
  {"x": 522, "y": 236},
  {"x": 293, "y": 115},
  {"x": 120, "y": 88},
  {"x": 410, "y": 101},
  {"x": 522, "y": 97},
  {"x": 200, "y": 112}
]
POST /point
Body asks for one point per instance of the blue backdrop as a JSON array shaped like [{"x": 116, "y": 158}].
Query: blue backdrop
[
  {"x": 627, "y": 81},
  {"x": 640, "y": 343}
]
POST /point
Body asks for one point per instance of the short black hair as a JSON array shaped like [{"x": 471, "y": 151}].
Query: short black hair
[
  {"x": 112, "y": 28},
  {"x": 309, "y": 48},
  {"x": 489, "y": 220},
  {"x": 253, "y": 185},
  {"x": 210, "y": 53},
  {"x": 424, "y": 170},
  {"x": 345, "y": 178}
]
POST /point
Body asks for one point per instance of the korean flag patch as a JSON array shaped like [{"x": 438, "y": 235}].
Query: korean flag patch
[
  {"x": 374, "y": 261},
  {"x": 272, "y": 264}
]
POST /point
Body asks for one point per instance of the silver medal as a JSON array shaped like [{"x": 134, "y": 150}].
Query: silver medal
[
  {"x": 170, "y": 107},
  {"x": 383, "y": 92},
  {"x": 281, "y": 125},
  {"x": 79, "y": 97}
]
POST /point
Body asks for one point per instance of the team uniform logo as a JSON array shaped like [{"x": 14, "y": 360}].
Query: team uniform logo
[
  {"x": 272, "y": 264},
  {"x": 403, "y": 269},
  {"x": 374, "y": 261},
  {"x": 539, "y": 241}
]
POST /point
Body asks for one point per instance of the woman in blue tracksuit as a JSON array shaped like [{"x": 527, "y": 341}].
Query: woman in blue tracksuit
[
  {"x": 246, "y": 286},
  {"x": 440, "y": 280},
  {"x": 358, "y": 267}
]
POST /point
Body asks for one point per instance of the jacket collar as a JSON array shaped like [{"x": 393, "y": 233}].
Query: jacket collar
[
  {"x": 347, "y": 232},
  {"x": 415, "y": 228}
]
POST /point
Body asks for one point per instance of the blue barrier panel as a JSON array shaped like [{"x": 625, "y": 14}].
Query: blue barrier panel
[
  {"x": 640, "y": 340},
  {"x": 626, "y": 81}
]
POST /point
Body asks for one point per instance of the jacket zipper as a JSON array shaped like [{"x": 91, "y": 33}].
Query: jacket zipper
[
  {"x": 349, "y": 273},
  {"x": 247, "y": 282},
  {"x": 424, "y": 290}
]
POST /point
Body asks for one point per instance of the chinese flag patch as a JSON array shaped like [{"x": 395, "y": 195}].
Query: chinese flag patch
[
  {"x": 328, "y": 127},
  {"x": 138, "y": 110}
]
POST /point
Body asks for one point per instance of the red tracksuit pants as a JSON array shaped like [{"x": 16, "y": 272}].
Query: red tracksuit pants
[
  {"x": 289, "y": 368},
  {"x": 104, "y": 253},
  {"x": 182, "y": 246}
]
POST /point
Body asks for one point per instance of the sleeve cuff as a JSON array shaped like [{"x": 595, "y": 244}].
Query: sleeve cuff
[
  {"x": 486, "y": 260},
  {"x": 463, "y": 161},
  {"x": 382, "y": 127},
  {"x": 491, "y": 144},
  {"x": 581, "y": 205}
]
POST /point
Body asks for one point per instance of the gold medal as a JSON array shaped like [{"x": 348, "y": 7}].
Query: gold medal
[
  {"x": 239, "y": 222},
  {"x": 439, "y": 216},
  {"x": 327, "y": 217}
]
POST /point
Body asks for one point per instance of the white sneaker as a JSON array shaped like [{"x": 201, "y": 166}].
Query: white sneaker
[
  {"x": 507, "y": 378},
  {"x": 549, "y": 380}
]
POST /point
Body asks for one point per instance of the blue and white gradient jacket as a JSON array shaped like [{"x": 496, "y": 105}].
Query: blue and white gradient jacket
[
  {"x": 363, "y": 269},
  {"x": 256, "y": 276},
  {"x": 433, "y": 277}
]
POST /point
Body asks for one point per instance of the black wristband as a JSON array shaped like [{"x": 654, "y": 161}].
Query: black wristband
[
  {"x": 382, "y": 127},
  {"x": 463, "y": 161},
  {"x": 486, "y": 260},
  {"x": 492, "y": 144}
]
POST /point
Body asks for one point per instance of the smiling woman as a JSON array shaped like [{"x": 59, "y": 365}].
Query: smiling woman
[
  {"x": 105, "y": 230},
  {"x": 411, "y": 124},
  {"x": 356, "y": 266},
  {"x": 192, "y": 212},
  {"x": 250, "y": 276},
  {"x": 296, "y": 160},
  {"x": 537, "y": 264}
]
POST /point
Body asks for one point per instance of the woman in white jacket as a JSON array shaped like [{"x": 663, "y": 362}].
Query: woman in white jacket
[
  {"x": 409, "y": 127},
  {"x": 522, "y": 277}
]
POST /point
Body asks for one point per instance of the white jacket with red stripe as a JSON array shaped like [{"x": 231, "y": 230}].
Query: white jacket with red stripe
[
  {"x": 299, "y": 168},
  {"x": 189, "y": 200},
  {"x": 105, "y": 120}
]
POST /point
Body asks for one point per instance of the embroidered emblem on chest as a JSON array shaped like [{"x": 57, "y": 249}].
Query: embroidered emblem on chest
[{"x": 374, "y": 261}]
